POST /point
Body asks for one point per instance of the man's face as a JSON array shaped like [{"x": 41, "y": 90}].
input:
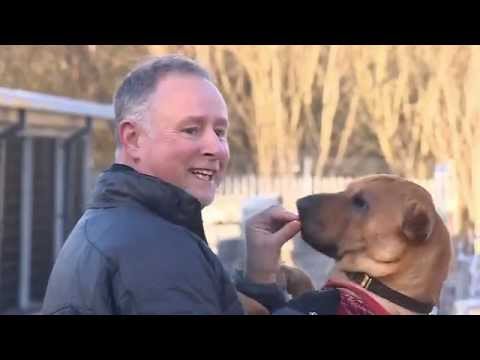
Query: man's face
[{"x": 186, "y": 143}]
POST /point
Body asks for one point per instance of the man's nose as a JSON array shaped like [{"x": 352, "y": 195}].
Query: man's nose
[{"x": 215, "y": 146}]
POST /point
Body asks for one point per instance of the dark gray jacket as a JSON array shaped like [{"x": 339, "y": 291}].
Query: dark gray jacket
[{"x": 139, "y": 248}]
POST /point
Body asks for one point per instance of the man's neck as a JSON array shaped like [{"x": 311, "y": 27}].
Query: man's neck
[{"x": 122, "y": 159}]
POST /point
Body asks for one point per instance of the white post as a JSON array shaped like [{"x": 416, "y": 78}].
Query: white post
[
  {"x": 476, "y": 196},
  {"x": 307, "y": 187},
  {"x": 58, "y": 220},
  {"x": 26, "y": 223}
]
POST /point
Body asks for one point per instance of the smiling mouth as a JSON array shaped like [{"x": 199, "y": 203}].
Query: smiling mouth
[{"x": 203, "y": 174}]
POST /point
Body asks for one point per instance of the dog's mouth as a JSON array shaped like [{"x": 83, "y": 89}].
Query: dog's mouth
[
  {"x": 351, "y": 251},
  {"x": 330, "y": 250}
]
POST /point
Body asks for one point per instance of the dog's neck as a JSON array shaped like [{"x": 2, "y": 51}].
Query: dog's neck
[{"x": 392, "y": 308}]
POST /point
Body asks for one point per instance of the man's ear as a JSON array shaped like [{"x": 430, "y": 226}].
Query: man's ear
[
  {"x": 417, "y": 223},
  {"x": 128, "y": 134}
]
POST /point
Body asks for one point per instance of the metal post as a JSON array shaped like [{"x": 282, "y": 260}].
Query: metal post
[
  {"x": 26, "y": 221},
  {"x": 3, "y": 156},
  {"x": 87, "y": 161},
  {"x": 59, "y": 205},
  {"x": 6, "y": 132}
]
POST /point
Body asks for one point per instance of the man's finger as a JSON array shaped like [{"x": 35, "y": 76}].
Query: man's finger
[
  {"x": 287, "y": 231},
  {"x": 278, "y": 213}
]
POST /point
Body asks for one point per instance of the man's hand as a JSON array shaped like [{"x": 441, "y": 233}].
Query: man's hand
[{"x": 265, "y": 234}]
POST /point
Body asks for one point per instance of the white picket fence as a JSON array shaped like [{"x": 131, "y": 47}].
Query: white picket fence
[
  {"x": 251, "y": 185},
  {"x": 290, "y": 186}
]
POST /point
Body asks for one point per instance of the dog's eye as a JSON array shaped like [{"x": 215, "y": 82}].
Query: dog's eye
[{"x": 360, "y": 202}]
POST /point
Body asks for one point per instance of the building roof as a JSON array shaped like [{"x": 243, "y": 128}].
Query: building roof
[{"x": 34, "y": 101}]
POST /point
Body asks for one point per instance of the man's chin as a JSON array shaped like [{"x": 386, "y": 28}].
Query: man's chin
[
  {"x": 206, "y": 202},
  {"x": 204, "y": 194},
  {"x": 204, "y": 199}
]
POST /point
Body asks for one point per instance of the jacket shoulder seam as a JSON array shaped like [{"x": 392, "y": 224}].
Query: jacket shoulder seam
[{"x": 103, "y": 255}]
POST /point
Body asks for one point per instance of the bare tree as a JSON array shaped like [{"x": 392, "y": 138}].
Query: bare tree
[
  {"x": 280, "y": 81},
  {"x": 285, "y": 82},
  {"x": 451, "y": 114},
  {"x": 385, "y": 82},
  {"x": 335, "y": 69}
]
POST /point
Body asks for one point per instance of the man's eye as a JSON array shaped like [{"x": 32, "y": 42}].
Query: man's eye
[
  {"x": 221, "y": 132},
  {"x": 191, "y": 130}
]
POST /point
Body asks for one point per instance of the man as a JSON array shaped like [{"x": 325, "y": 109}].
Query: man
[{"x": 140, "y": 246}]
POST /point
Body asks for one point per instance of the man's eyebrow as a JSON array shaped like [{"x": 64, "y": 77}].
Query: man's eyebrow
[
  {"x": 199, "y": 119},
  {"x": 221, "y": 121}
]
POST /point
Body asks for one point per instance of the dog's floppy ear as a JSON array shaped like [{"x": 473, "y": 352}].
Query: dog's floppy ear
[{"x": 417, "y": 222}]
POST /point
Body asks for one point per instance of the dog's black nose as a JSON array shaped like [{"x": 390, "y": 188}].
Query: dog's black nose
[{"x": 306, "y": 202}]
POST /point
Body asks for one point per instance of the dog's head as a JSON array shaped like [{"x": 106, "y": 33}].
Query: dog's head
[{"x": 385, "y": 226}]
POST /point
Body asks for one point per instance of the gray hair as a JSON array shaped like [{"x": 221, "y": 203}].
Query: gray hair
[{"x": 131, "y": 100}]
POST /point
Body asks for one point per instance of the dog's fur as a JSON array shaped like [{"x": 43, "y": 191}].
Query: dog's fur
[{"x": 384, "y": 226}]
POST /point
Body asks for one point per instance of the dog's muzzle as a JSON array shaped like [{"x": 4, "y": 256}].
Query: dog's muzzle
[{"x": 311, "y": 230}]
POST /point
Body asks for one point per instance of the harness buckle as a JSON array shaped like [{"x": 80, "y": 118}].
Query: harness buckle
[{"x": 366, "y": 281}]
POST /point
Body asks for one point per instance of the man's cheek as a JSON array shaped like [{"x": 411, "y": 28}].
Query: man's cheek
[{"x": 227, "y": 154}]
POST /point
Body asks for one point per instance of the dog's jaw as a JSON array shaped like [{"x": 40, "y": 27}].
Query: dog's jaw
[{"x": 330, "y": 250}]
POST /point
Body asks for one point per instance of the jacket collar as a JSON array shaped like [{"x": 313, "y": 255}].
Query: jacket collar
[{"x": 121, "y": 185}]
